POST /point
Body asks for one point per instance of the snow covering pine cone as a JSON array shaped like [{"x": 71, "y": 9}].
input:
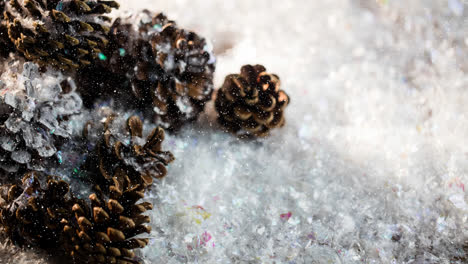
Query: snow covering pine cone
[
  {"x": 35, "y": 109},
  {"x": 30, "y": 212},
  {"x": 251, "y": 103},
  {"x": 169, "y": 70},
  {"x": 67, "y": 34},
  {"x": 104, "y": 230},
  {"x": 124, "y": 155},
  {"x": 189, "y": 63}
]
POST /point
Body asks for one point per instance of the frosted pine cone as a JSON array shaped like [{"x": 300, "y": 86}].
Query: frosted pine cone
[
  {"x": 251, "y": 103},
  {"x": 66, "y": 34},
  {"x": 123, "y": 153},
  {"x": 188, "y": 61},
  {"x": 35, "y": 109},
  {"x": 30, "y": 212},
  {"x": 169, "y": 70}
]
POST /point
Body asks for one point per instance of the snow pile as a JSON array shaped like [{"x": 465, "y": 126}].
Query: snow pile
[{"x": 372, "y": 164}]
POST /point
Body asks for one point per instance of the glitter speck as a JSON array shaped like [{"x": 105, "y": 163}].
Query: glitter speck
[
  {"x": 102, "y": 56},
  {"x": 52, "y": 132},
  {"x": 59, "y": 6},
  {"x": 157, "y": 26},
  {"x": 205, "y": 237},
  {"x": 286, "y": 216},
  {"x": 122, "y": 52},
  {"x": 59, "y": 156}
]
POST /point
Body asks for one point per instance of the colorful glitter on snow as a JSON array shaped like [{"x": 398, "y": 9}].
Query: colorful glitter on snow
[
  {"x": 198, "y": 214},
  {"x": 205, "y": 237},
  {"x": 286, "y": 216}
]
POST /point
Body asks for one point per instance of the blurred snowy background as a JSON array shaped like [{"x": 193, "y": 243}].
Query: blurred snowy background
[{"x": 372, "y": 164}]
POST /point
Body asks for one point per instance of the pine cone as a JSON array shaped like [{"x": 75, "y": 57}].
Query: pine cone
[
  {"x": 187, "y": 60},
  {"x": 31, "y": 212},
  {"x": 5, "y": 44},
  {"x": 168, "y": 69},
  {"x": 125, "y": 154},
  {"x": 251, "y": 103},
  {"x": 99, "y": 230},
  {"x": 104, "y": 231},
  {"x": 35, "y": 109},
  {"x": 66, "y": 34},
  {"x": 121, "y": 167}
]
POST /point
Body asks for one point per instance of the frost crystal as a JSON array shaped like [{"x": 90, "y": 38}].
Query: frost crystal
[{"x": 37, "y": 108}]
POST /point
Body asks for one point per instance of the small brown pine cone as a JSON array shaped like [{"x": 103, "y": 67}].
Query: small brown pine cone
[
  {"x": 67, "y": 34},
  {"x": 126, "y": 154},
  {"x": 31, "y": 212},
  {"x": 251, "y": 103},
  {"x": 104, "y": 230}
]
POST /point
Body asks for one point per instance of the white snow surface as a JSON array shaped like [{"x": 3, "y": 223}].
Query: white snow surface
[{"x": 372, "y": 164}]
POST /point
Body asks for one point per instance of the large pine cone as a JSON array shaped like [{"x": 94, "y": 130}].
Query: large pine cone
[
  {"x": 104, "y": 231},
  {"x": 31, "y": 212},
  {"x": 251, "y": 103},
  {"x": 99, "y": 230},
  {"x": 124, "y": 153},
  {"x": 35, "y": 109},
  {"x": 67, "y": 34},
  {"x": 122, "y": 167},
  {"x": 169, "y": 70}
]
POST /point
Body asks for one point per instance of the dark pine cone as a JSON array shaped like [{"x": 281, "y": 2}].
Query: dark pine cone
[
  {"x": 169, "y": 70},
  {"x": 35, "y": 112},
  {"x": 5, "y": 44},
  {"x": 67, "y": 34},
  {"x": 99, "y": 230},
  {"x": 121, "y": 167},
  {"x": 31, "y": 211},
  {"x": 124, "y": 153},
  {"x": 251, "y": 103},
  {"x": 104, "y": 230}
]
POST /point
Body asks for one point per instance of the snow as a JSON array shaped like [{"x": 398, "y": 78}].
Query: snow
[{"x": 372, "y": 163}]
